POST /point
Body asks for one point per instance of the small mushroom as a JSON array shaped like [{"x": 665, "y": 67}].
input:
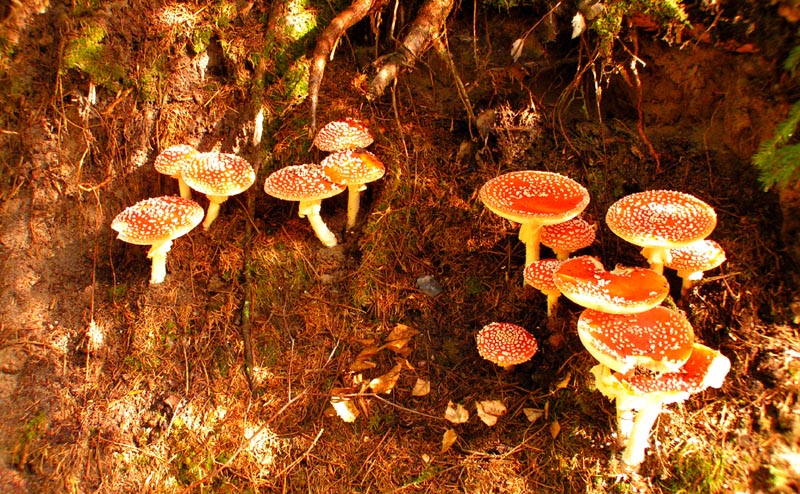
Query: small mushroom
[
  {"x": 506, "y": 344},
  {"x": 540, "y": 275},
  {"x": 308, "y": 184},
  {"x": 171, "y": 162},
  {"x": 660, "y": 220},
  {"x": 624, "y": 290},
  {"x": 343, "y": 135},
  {"x": 353, "y": 169},
  {"x": 647, "y": 393},
  {"x": 695, "y": 259},
  {"x": 218, "y": 176},
  {"x": 567, "y": 237},
  {"x": 534, "y": 198},
  {"x": 157, "y": 222}
]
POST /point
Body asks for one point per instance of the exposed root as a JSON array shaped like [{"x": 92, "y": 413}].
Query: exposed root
[
  {"x": 326, "y": 45},
  {"x": 428, "y": 24}
]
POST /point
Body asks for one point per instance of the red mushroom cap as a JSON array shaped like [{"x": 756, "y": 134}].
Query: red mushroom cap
[
  {"x": 541, "y": 274},
  {"x": 585, "y": 281},
  {"x": 661, "y": 218},
  {"x": 659, "y": 339},
  {"x": 506, "y": 344},
  {"x": 157, "y": 219},
  {"x": 219, "y": 174},
  {"x": 305, "y": 182},
  {"x": 172, "y": 160},
  {"x": 568, "y": 236},
  {"x": 696, "y": 257},
  {"x": 342, "y": 135},
  {"x": 353, "y": 167},
  {"x": 531, "y": 196}
]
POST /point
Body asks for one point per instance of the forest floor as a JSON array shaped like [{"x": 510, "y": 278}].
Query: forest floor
[{"x": 110, "y": 384}]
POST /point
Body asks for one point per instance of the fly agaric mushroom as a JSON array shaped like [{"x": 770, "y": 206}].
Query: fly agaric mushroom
[
  {"x": 648, "y": 393},
  {"x": 540, "y": 275},
  {"x": 694, "y": 259},
  {"x": 660, "y": 220},
  {"x": 585, "y": 281},
  {"x": 353, "y": 169},
  {"x": 171, "y": 162},
  {"x": 157, "y": 222},
  {"x": 567, "y": 237},
  {"x": 533, "y": 199},
  {"x": 343, "y": 135},
  {"x": 506, "y": 344},
  {"x": 308, "y": 184},
  {"x": 218, "y": 176},
  {"x": 659, "y": 340}
]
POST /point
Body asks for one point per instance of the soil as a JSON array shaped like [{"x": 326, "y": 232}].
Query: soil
[{"x": 110, "y": 384}]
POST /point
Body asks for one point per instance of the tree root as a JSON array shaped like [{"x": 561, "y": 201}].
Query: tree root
[{"x": 428, "y": 24}]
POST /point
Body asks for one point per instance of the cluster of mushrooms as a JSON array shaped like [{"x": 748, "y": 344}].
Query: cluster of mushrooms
[
  {"x": 158, "y": 221},
  {"x": 647, "y": 353}
]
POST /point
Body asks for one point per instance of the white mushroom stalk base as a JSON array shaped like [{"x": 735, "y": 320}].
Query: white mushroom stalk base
[
  {"x": 656, "y": 257},
  {"x": 311, "y": 209},
  {"x": 353, "y": 203},
  {"x": 214, "y": 203},
  {"x": 529, "y": 235},
  {"x": 633, "y": 455},
  {"x": 158, "y": 253}
]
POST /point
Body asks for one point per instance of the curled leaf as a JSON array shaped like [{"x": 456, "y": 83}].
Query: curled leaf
[
  {"x": 533, "y": 414},
  {"x": 456, "y": 414},
  {"x": 490, "y": 410},
  {"x": 421, "y": 388},
  {"x": 448, "y": 439},
  {"x": 345, "y": 409},
  {"x": 386, "y": 382}
]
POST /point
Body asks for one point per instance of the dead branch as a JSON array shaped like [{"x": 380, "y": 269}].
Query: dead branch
[
  {"x": 326, "y": 45},
  {"x": 428, "y": 24}
]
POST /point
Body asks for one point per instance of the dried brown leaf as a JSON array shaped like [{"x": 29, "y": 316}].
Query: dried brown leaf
[
  {"x": 555, "y": 428},
  {"x": 490, "y": 410},
  {"x": 456, "y": 414},
  {"x": 533, "y": 414},
  {"x": 345, "y": 409},
  {"x": 386, "y": 382},
  {"x": 421, "y": 388},
  {"x": 448, "y": 439}
]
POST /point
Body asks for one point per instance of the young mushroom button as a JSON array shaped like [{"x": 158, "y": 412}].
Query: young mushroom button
[
  {"x": 171, "y": 162},
  {"x": 218, "y": 176},
  {"x": 309, "y": 185},
  {"x": 533, "y": 199},
  {"x": 694, "y": 259},
  {"x": 156, "y": 222},
  {"x": 342, "y": 135},
  {"x": 353, "y": 169},
  {"x": 567, "y": 237},
  {"x": 660, "y": 220},
  {"x": 506, "y": 344}
]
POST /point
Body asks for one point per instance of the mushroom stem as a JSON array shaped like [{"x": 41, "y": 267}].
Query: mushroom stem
[
  {"x": 158, "y": 252},
  {"x": 633, "y": 455},
  {"x": 186, "y": 191},
  {"x": 688, "y": 277},
  {"x": 656, "y": 257},
  {"x": 311, "y": 210},
  {"x": 529, "y": 234},
  {"x": 625, "y": 417},
  {"x": 213, "y": 209},
  {"x": 552, "y": 304},
  {"x": 353, "y": 203}
]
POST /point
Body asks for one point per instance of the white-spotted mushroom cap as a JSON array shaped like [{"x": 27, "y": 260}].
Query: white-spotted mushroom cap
[
  {"x": 305, "y": 182},
  {"x": 341, "y": 135},
  {"x": 567, "y": 237},
  {"x": 692, "y": 260},
  {"x": 658, "y": 340},
  {"x": 219, "y": 174},
  {"x": 624, "y": 290},
  {"x": 353, "y": 169},
  {"x": 541, "y": 276},
  {"x": 506, "y": 344},
  {"x": 157, "y": 219},
  {"x": 172, "y": 160},
  {"x": 659, "y": 220},
  {"x": 309, "y": 185},
  {"x": 534, "y": 198},
  {"x": 156, "y": 222}
]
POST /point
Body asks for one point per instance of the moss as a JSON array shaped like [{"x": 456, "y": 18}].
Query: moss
[{"x": 89, "y": 53}]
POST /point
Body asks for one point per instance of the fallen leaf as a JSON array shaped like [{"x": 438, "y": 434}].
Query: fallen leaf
[
  {"x": 386, "y": 382},
  {"x": 564, "y": 382},
  {"x": 533, "y": 414},
  {"x": 490, "y": 410},
  {"x": 362, "y": 361},
  {"x": 555, "y": 428},
  {"x": 400, "y": 332},
  {"x": 421, "y": 388},
  {"x": 448, "y": 439},
  {"x": 345, "y": 409},
  {"x": 456, "y": 414}
]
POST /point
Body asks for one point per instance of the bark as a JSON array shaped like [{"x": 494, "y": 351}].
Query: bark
[{"x": 428, "y": 24}]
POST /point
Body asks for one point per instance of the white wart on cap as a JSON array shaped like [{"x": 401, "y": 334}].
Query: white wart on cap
[
  {"x": 353, "y": 169},
  {"x": 341, "y": 135},
  {"x": 172, "y": 160},
  {"x": 218, "y": 176},
  {"x": 624, "y": 290},
  {"x": 156, "y": 222},
  {"x": 659, "y": 220},
  {"x": 695, "y": 259},
  {"x": 506, "y": 344},
  {"x": 567, "y": 237},
  {"x": 659, "y": 340},
  {"x": 309, "y": 185},
  {"x": 534, "y": 198}
]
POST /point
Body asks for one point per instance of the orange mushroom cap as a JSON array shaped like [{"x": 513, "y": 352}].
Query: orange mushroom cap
[
  {"x": 659, "y": 339},
  {"x": 172, "y": 160},
  {"x": 540, "y": 275},
  {"x": 157, "y": 220},
  {"x": 352, "y": 167},
  {"x": 306, "y": 182},
  {"x": 690, "y": 261},
  {"x": 506, "y": 344},
  {"x": 219, "y": 174},
  {"x": 567, "y": 237},
  {"x": 342, "y": 135},
  {"x": 585, "y": 281}
]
